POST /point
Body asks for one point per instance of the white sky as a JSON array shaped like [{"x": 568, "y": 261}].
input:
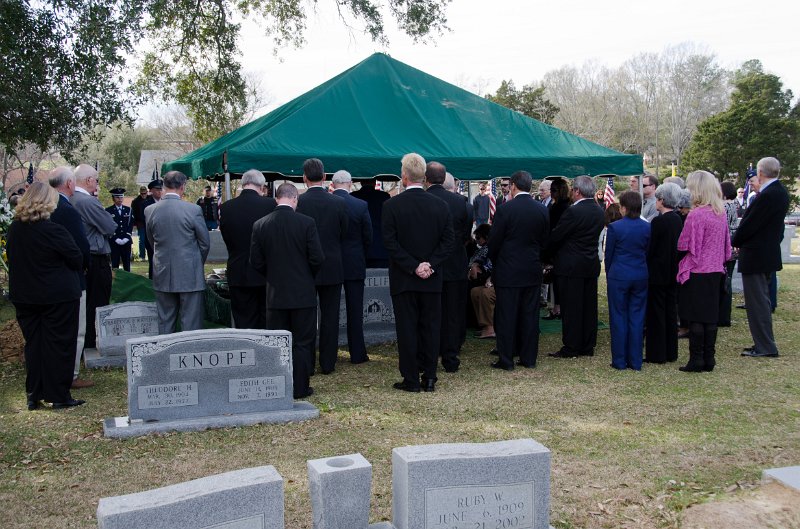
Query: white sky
[{"x": 524, "y": 39}]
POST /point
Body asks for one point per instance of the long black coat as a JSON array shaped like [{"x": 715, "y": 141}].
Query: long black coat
[
  {"x": 236, "y": 225},
  {"x": 330, "y": 214},
  {"x": 455, "y": 267}
]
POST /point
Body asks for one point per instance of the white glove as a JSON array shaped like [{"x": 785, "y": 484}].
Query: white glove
[
  {"x": 125, "y": 241},
  {"x": 119, "y": 242}
]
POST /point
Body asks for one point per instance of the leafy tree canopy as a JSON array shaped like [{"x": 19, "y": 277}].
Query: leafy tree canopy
[
  {"x": 530, "y": 101},
  {"x": 759, "y": 122},
  {"x": 68, "y": 60}
]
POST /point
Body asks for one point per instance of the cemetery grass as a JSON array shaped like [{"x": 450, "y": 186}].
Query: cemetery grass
[{"x": 629, "y": 450}]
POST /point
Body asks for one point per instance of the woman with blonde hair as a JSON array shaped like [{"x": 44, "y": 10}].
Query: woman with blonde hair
[
  {"x": 707, "y": 243},
  {"x": 44, "y": 285}
]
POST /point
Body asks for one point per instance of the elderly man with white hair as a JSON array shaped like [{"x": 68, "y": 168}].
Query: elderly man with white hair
[
  {"x": 99, "y": 225},
  {"x": 248, "y": 287},
  {"x": 544, "y": 192},
  {"x": 354, "y": 248}
]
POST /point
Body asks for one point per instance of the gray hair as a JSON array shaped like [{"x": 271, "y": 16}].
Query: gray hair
[
  {"x": 585, "y": 185},
  {"x": 84, "y": 172},
  {"x": 341, "y": 177},
  {"x": 449, "y": 182},
  {"x": 670, "y": 194},
  {"x": 769, "y": 167},
  {"x": 686, "y": 199},
  {"x": 60, "y": 176},
  {"x": 545, "y": 184},
  {"x": 174, "y": 180},
  {"x": 253, "y": 177},
  {"x": 677, "y": 180}
]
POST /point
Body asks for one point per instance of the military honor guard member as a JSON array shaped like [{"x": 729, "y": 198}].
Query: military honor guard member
[{"x": 122, "y": 240}]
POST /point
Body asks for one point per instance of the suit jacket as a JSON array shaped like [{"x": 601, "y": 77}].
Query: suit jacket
[
  {"x": 285, "y": 248},
  {"x": 760, "y": 231},
  {"x": 374, "y": 200},
  {"x": 66, "y": 215},
  {"x": 573, "y": 242},
  {"x": 626, "y": 249},
  {"x": 416, "y": 229},
  {"x": 358, "y": 237},
  {"x": 662, "y": 254},
  {"x": 236, "y": 225},
  {"x": 137, "y": 210},
  {"x": 44, "y": 263},
  {"x": 520, "y": 231},
  {"x": 180, "y": 240},
  {"x": 455, "y": 267},
  {"x": 124, "y": 224},
  {"x": 330, "y": 214},
  {"x": 98, "y": 223}
]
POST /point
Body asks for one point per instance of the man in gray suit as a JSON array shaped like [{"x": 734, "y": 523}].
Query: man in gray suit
[
  {"x": 99, "y": 225},
  {"x": 180, "y": 242}
]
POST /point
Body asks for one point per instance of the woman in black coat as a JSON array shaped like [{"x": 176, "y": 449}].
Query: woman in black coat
[
  {"x": 559, "y": 193},
  {"x": 662, "y": 267},
  {"x": 44, "y": 285}
]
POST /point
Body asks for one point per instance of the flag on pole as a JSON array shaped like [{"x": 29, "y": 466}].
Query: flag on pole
[
  {"x": 492, "y": 200},
  {"x": 30, "y": 174},
  {"x": 378, "y": 186},
  {"x": 608, "y": 196},
  {"x": 460, "y": 187}
]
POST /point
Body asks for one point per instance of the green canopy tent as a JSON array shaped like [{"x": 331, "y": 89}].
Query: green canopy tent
[{"x": 366, "y": 118}]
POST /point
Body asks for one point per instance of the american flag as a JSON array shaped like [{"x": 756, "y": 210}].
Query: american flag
[
  {"x": 492, "y": 200},
  {"x": 378, "y": 186},
  {"x": 608, "y": 196}
]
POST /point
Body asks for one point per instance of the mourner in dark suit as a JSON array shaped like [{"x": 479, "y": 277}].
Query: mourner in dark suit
[
  {"x": 759, "y": 239},
  {"x": 156, "y": 188},
  {"x": 99, "y": 226},
  {"x": 44, "y": 285},
  {"x": 180, "y": 240},
  {"x": 62, "y": 180},
  {"x": 418, "y": 235},
  {"x": 354, "y": 247},
  {"x": 454, "y": 269},
  {"x": 330, "y": 214},
  {"x": 662, "y": 285},
  {"x": 285, "y": 248},
  {"x": 520, "y": 231},
  {"x": 376, "y": 253},
  {"x": 576, "y": 265},
  {"x": 248, "y": 287},
  {"x": 122, "y": 240}
]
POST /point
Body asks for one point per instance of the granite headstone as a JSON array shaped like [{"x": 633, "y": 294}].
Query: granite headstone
[
  {"x": 251, "y": 498},
  {"x": 378, "y": 312},
  {"x": 482, "y": 486},
  {"x": 115, "y": 324},
  {"x": 340, "y": 491}
]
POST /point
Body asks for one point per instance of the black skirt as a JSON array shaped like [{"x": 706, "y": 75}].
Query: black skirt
[{"x": 698, "y": 298}]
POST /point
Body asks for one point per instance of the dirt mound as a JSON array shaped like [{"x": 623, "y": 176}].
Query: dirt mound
[
  {"x": 772, "y": 506},
  {"x": 12, "y": 343}
]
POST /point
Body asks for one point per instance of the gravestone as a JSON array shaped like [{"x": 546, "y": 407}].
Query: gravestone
[
  {"x": 212, "y": 378},
  {"x": 340, "y": 491},
  {"x": 217, "y": 251},
  {"x": 115, "y": 324},
  {"x": 244, "y": 499},
  {"x": 504, "y": 484},
  {"x": 378, "y": 312}
]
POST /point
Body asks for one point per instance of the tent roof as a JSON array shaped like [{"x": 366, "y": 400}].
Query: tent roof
[{"x": 366, "y": 118}]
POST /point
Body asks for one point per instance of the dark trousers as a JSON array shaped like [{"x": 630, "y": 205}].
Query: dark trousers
[
  {"x": 454, "y": 297},
  {"x": 516, "y": 324},
  {"x": 149, "y": 249},
  {"x": 354, "y": 301},
  {"x": 662, "y": 322},
  {"x": 249, "y": 307},
  {"x": 142, "y": 241},
  {"x": 417, "y": 318},
  {"x": 578, "y": 314},
  {"x": 98, "y": 293},
  {"x": 627, "y": 303},
  {"x": 51, "y": 333},
  {"x": 330, "y": 297},
  {"x": 121, "y": 253},
  {"x": 302, "y": 324},
  {"x": 726, "y": 296},
  {"x": 759, "y": 311}
]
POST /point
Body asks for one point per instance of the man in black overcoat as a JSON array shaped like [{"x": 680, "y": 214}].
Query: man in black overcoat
[
  {"x": 286, "y": 249},
  {"x": 248, "y": 288},
  {"x": 418, "y": 234}
]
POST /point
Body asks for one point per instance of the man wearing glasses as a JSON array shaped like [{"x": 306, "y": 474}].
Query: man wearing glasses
[
  {"x": 504, "y": 196},
  {"x": 649, "y": 184}
]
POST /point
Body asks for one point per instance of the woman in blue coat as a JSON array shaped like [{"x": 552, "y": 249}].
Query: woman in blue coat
[{"x": 626, "y": 273}]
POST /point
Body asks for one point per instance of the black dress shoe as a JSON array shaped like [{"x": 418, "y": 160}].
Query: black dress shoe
[
  {"x": 327, "y": 371},
  {"x": 750, "y": 348},
  {"x": 528, "y": 366},
  {"x": 690, "y": 369},
  {"x": 561, "y": 354},
  {"x": 405, "y": 386},
  {"x": 429, "y": 385},
  {"x": 306, "y": 394},
  {"x": 648, "y": 361},
  {"x": 742, "y": 306},
  {"x": 498, "y": 365},
  {"x": 552, "y": 316},
  {"x": 494, "y": 352},
  {"x": 68, "y": 404},
  {"x": 360, "y": 361},
  {"x": 34, "y": 405}
]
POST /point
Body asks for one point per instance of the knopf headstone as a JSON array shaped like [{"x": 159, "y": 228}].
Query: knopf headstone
[
  {"x": 340, "y": 491},
  {"x": 244, "y": 499},
  {"x": 503, "y": 484},
  {"x": 212, "y": 378}
]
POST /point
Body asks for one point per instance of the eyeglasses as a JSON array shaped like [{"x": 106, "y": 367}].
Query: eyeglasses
[
  {"x": 649, "y": 185},
  {"x": 503, "y": 185}
]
